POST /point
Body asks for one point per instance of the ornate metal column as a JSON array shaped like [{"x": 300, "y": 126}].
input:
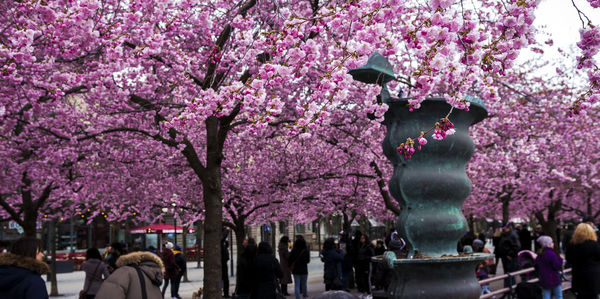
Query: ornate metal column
[{"x": 430, "y": 187}]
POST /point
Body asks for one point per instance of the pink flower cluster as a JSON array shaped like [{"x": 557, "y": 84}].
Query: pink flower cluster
[
  {"x": 594, "y": 3},
  {"x": 443, "y": 128},
  {"x": 589, "y": 45}
]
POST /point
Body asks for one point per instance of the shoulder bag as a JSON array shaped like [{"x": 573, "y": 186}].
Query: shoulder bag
[{"x": 142, "y": 282}]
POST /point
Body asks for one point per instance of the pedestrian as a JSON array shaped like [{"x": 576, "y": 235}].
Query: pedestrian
[
  {"x": 332, "y": 259},
  {"x": 525, "y": 238},
  {"x": 365, "y": 252},
  {"x": 95, "y": 272},
  {"x": 245, "y": 273},
  {"x": 508, "y": 250},
  {"x": 284, "y": 256},
  {"x": 583, "y": 253},
  {"x": 182, "y": 265},
  {"x": 116, "y": 250},
  {"x": 388, "y": 238},
  {"x": 379, "y": 248},
  {"x": 171, "y": 268},
  {"x": 224, "y": 268},
  {"x": 347, "y": 249},
  {"x": 299, "y": 259},
  {"x": 138, "y": 275},
  {"x": 21, "y": 269},
  {"x": 481, "y": 236},
  {"x": 267, "y": 272},
  {"x": 548, "y": 265}
]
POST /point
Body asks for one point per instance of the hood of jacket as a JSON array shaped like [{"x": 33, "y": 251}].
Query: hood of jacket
[
  {"x": 16, "y": 268},
  {"x": 148, "y": 262},
  {"x": 9, "y": 259}
]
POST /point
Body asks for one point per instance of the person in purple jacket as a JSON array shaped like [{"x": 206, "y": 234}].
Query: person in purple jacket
[{"x": 549, "y": 265}]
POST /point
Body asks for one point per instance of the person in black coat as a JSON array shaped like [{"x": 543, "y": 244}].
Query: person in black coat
[
  {"x": 21, "y": 270},
  {"x": 267, "y": 272},
  {"x": 525, "y": 238},
  {"x": 508, "y": 249},
  {"x": 182, "y": 265},
  {"x": 224, "y": 268},
  {"x": 348, "y": 250},
  {"x": 245, "y": 272},
  {"x": 583, "y": 253},
  {"x": 299, "y": 259},
  {"x": 332, "y": 265},
  {"x": 365, "y": 252}
]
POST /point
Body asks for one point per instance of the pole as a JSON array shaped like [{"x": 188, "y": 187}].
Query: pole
[
  {"x": 175, "y": 228},
  {"x": 53, "y": 282},
  {"x": 71, "y": 240},
  {"x": 231, "y": 252},
  {"x": 89, "y": 235}
]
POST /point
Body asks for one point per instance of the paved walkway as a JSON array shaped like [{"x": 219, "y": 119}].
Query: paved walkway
[{"x": 69, "y": 284}]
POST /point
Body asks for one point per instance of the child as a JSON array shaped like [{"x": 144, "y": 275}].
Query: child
[{"x": 549, "y": 265}]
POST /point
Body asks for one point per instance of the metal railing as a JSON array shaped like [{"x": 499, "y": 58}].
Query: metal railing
[{"x": 510, "y": 290}]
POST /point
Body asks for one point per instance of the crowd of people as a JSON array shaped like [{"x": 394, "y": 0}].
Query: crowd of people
[{"x": 133, "y": 273}]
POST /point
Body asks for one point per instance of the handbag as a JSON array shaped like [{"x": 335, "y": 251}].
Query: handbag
[{"x": 83, "y": 293}]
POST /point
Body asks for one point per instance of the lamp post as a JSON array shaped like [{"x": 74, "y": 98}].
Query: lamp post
[
  {"x": 174, "y": 205},
  {"x": 430, "y": 187}
]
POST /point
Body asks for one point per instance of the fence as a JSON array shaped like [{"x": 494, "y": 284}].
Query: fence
[{"x": 510, "y": 290}]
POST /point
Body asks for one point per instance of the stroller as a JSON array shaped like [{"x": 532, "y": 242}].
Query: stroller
[{"x": 527, "y": 260}]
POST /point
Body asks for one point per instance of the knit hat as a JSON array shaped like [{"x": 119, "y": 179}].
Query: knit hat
[
  {"x": 396, "y": 243},
  {"x": 178, "y": 248},
  {"x": 477, "y": 243},
  {"x": 544, "y": 241},
  {"x": 169, "y": 245},
  {"x": 468, "y": 249}
]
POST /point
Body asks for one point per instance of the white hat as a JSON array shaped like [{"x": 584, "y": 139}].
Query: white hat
[{"x": 169, "y": 245}]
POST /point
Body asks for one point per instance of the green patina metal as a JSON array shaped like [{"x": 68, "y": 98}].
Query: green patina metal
[
  {"x": 378, "y": 70},
  {"x": 430, "y": 187}
]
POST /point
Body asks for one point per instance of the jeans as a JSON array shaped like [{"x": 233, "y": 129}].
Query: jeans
[
  {"x": 300, "y": 284},
  {"x": 556, "y": 291},
  {"x": 509, "y": 265}
]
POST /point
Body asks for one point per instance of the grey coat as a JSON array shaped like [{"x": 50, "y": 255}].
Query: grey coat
[
  {"x": 96, "y": 272},
  {"x": 124, "y": 283}
]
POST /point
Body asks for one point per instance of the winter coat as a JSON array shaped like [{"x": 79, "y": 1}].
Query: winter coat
[
  {"x": 284, "y": 255},
  {"x": 125, "y": 283},
  {"x": 20, "y": 277},
  {"x": 244, "y": 274},
  {"x": 509, "y": 245},
  {"x": 525, "y": 239},
  {"x": 95, "y": 273},
  {"x": 332, "y": 264},
  {"x": 348, "y": 250},
  {"x": 266, "y": 271},
  {"x": 301, "y": 258},
  {"x": 181, "y": 262},
  {"x": 548, "y": 265},
  {"x": 365, "y": 252},
  {"x": 585, "y": 260},
  {"x": 168, "y": 259}
]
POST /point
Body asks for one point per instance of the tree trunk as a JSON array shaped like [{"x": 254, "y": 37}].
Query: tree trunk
[
  {"x": 184, "y": 251},
  {"x": 53, "y": 282},
  {"x": 212, "y": 234},
  {"x": 505, "y": 209},
  {"x": 550, "y": 222},
  {"x": 240, "y": 235}
]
